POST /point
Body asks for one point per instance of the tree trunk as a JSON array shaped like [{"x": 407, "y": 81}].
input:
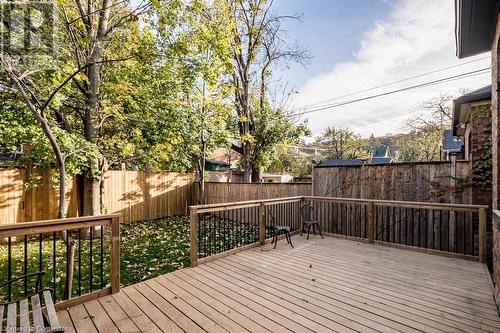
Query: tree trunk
[
  {"x": 201, "y": 180},
  {"x": 91, "y": 118},
  {"x": 247, "y": 163}
]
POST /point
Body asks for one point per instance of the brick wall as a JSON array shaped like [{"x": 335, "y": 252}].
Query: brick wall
[
  {"x": 496, "y": 255},
  {"x": 495, "y": 110},
  {"x": 480, "y": 154}
]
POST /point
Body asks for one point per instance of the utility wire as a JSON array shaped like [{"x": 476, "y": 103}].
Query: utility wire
[
  {"x": 394, "y": 82},
  {"x": 421, "y": 85}
]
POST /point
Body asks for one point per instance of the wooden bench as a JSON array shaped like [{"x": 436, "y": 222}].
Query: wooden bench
[{"x": 43, "y": 320}]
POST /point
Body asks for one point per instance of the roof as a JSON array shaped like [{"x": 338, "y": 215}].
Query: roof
[
  {"x": 7, "y": 158},
  {"x": 381, "y": 151},
  {"x": 478, "y": 95},
  {"x": 475, "y": 22},
  {"x": 451, "y": 143},
  {"x": 381, "y": 160},
  {"x": 213, "y": 165},
  {"x": 340, "y": 162}
]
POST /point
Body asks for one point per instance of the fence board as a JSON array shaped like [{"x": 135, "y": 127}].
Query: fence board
[
  {"x": 233, "y": 192},
  {"x": 137, "y": 195},
  {"x": 427, "y": 182}
]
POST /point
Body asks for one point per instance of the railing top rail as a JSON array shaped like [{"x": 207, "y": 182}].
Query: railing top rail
[
  {"x": 409, "y": 204},
  {"x": 244, "y": 203},
  {"x": 28, "y": 228},
  {"x": 393, "y": 203}
]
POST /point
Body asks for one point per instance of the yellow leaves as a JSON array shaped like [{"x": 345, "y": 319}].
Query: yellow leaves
[
  {"x": 242, "y": 119},
  {"x": 247, "y": 138}
]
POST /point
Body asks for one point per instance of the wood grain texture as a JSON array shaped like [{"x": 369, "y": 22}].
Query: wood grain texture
[
  {"x": 321, "y": 285},
  {"x": 138, "y": 195}
]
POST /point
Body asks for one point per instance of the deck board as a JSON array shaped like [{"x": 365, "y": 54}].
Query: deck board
[{"x": 321, "y": 285}]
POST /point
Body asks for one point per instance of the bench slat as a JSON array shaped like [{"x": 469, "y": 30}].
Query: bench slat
[
  {"x": 1, "y": 316},
  {"x": 51, "y": 312},
  {"x": 36, "y": 308},
  {"x": 24, "y": 316},
  {"x": 11, "y": 318}
]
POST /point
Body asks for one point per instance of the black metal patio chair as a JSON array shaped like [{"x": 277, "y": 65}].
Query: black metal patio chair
[
  {"x": 279, "y": 229},
  {"x": 44, "y": 318},
  {"x": 307, "y": 212}
]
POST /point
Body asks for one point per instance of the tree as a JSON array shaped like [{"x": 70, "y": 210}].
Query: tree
[
  {"x": 343, "y": 144},
  {"x": 91, "y": 27},
  {"x": 257, "y": 46},
  {"x": 424, "y": 141},
  {"x": 208, "y": 112}
]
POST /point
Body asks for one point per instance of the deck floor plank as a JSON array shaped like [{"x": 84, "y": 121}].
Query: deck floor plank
[
  {"x": 321, "y": 285},
  {"x": 364, "y": 278}
]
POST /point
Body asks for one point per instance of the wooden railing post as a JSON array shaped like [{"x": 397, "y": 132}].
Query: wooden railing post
[
  {"x": 370, "y": 224},
  {"x": 262, "y": 224},
  {"x": 482, "y": 235},
  {"x": 193, "y": 236},
  {"x": 115, "y": 254}
]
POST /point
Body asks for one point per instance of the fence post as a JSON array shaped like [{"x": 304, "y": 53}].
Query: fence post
[
  {"x": 193, "y": 236},
  {"x": 370, "y": 227},
  {"x": 262, "y": 224},
  {"x": 482, "y": 235},
  {"x": 115, "y": 254}
]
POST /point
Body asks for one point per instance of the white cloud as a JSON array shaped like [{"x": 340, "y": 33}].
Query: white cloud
[{"x": 417, "y": 37}]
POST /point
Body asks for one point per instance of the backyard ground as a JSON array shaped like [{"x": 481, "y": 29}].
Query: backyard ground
[{"x": 148, "y": 249}]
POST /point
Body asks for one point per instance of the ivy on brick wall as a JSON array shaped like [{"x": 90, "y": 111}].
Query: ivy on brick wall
[{"x": 481, "y": 152}]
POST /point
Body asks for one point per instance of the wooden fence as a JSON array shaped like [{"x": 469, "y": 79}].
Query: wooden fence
[
  {"x": 231, "y": 192},
  {"x": 425, "y": 181},
  {"x": 137, "y": 195}
]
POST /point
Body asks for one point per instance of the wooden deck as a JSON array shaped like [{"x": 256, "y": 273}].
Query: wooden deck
[{"x": 329, "y": 285}]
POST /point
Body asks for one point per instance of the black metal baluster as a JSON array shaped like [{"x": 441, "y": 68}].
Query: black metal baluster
[
  {"x": 465, "y": 231},
  {"x": 246, "y": 223},
  {"x": 54, "y": 265},
  {"x": 40, "y": 253},
  {"x": 79, "y": 262},
  {"x": 25, "y": 268},
  {"x": 205, "y": 236},
  {"x": 9, "y": 268},
  {"x": 433, "y": 231},
  {"x": 200, "y": 244},
  {"x": 91, "y": 257},
  {"x": 220, "y": 240},
  {"x": 233, "y": 231},
  {"x": 213, "y": 241},
  {"x": 441, "y": 236},
  {"x": 102, "y": 257}
]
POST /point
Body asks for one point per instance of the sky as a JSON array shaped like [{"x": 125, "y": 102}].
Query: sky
[{"x": 360, "y": 44}]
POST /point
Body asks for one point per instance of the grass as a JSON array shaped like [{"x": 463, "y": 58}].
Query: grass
[{"x": 148, "y": 249}]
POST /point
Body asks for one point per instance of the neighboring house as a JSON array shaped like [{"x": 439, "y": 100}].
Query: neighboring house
[
  {"x": 472, "y": 126},
  {"x": 213, "y": 165},
  {"x": 9, "y": 159},
  {"x": 227, "y": 155},
  {"x": 468, "y": 121},
  {"x": 337, "y": 162},
  {"x": 452, "y": 146},
  {"x": 382, "y": 155},
  {"x": 275, "y": 178}
]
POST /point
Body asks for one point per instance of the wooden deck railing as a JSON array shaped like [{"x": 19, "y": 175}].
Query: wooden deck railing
[
  {"x": 217, "y": 229},
  {"x": 452, "y": 229},
  {"x": 81, "y": 256}
]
